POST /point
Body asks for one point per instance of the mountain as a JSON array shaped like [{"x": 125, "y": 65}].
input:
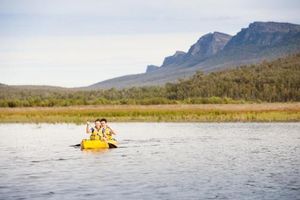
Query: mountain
[
  {"x": 175, "y": 59},
  {"x": 264, "y": 34},
  {"x": 208, "y": 45},
  {"x": 218, "y": 51},
  {"x": 151, "y": 68}
]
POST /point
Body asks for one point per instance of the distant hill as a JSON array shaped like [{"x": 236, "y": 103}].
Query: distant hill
[
  {"x": 217, "y": 51},
  {"x": 36, "y": 87},
  {"x": 272, "y": 81}
]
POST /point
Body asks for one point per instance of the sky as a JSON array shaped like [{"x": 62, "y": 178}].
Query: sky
[{"x": 74, "y": 43}]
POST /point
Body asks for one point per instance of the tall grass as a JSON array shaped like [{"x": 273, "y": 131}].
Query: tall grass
[{"x": 163, "y": 113}]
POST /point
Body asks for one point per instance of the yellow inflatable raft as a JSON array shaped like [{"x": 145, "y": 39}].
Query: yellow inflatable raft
[{"x": 98, "y": 144}]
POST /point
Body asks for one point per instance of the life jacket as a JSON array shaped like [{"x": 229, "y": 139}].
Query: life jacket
[
  {"x": 96, "y": 134},
  {"x": 107, "y": 132}
]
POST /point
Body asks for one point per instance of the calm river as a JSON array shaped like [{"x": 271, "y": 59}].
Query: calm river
[{"x": 155, "y": 161}]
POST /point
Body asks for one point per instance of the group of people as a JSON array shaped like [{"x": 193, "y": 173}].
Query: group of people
[{"x": 101, "y": 131}]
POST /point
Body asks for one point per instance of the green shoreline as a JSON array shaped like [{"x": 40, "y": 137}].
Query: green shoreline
[{"x": 266, "y": 112}]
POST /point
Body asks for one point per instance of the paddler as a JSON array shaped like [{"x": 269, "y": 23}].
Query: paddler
[
  {"x": 106, "y": 130},
  {"x": 96, "y": 131}
]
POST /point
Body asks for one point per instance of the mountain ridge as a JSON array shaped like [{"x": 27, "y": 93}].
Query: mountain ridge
[{"x": 259, "y": 41}]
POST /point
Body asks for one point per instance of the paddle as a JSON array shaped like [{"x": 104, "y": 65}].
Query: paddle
[
  {"x": 75, "y": 145},
  {"x": 112, "y": 145}
]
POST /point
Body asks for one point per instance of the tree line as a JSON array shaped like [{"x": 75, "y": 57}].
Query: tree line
[{"x": 272, "y": 81}]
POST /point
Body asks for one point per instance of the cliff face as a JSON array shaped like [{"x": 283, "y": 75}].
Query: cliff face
[
  {"x": 151, "y": 68},
  {"x": 264, "y": 34},
  {"x": 208, "y": 45},
  {"x": 175, "y": 59}
]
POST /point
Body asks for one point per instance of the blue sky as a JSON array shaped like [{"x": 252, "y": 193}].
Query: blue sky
[{"x": 80, "y": 42}]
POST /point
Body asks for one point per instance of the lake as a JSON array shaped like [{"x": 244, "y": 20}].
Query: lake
[{"x": 153, "y": 161}]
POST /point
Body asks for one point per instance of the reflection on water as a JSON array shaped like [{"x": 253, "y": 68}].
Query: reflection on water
[{"x": 154, "y": 161}]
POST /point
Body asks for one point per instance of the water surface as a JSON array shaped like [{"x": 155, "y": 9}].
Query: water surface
[{"x": 154, "y": 161}]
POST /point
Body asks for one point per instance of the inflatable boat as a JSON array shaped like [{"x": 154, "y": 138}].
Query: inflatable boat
[{"x": 98, "y": 144}]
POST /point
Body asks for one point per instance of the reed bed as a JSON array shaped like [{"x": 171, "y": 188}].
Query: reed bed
[{"x": 266, "y": 112}]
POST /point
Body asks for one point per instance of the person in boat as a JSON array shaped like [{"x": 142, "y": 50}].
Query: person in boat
[
  {"x": 96, "y": 131},
  {"x": 106, "y": 130}
]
